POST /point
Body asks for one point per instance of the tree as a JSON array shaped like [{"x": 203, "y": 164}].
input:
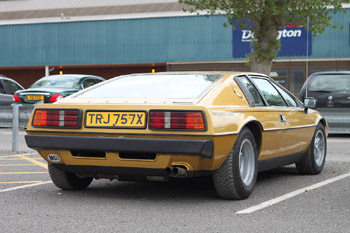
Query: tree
[{"x": 266, "y": 17}]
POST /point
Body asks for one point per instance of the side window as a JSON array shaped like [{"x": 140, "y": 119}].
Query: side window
[
  {"x": 270, "y": 93},
  {"x": 2, "y": 89},
  {"x": 88, "y": 83},
  {"x": 252, "y": 90},
  {"x": 290, "y": 101},
  {"x": 12, "y": 86}
]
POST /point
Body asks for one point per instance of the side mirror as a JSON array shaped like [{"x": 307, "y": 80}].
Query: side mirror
[{"x": 309, "y": 102}]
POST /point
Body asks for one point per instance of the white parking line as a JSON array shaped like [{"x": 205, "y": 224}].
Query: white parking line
[
  {"x": 12, "y": 156},
  {"x": 291, "y": 194},
  {"x": 24, "y": 186}
]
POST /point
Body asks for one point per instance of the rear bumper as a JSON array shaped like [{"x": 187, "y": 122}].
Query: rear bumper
[{"x": 203, "y": 148}]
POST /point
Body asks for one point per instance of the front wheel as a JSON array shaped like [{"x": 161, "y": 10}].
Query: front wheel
[
  {"x": 313, "y": 161},
  {"x": 236, "y": 177},
  {"x": 67, "y": 180}
]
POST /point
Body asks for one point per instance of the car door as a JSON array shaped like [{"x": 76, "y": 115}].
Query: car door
[
  {"x": 5, "y": 98},
  {"x": 266, "y": 115},
  {"x": 297, "y": 125}
]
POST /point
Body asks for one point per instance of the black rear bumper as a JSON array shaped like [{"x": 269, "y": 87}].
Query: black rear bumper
[{"x": 203, "y": 148}]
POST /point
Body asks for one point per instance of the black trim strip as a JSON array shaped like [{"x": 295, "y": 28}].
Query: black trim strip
[
  {"x": 291, "y": 128},
  {"x": 121, "y": 144},
  {"x": 268, "y": 164},
  {"x": 138, "y": 134}
]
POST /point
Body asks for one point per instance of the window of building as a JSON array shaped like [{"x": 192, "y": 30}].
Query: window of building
[{"x": 296, "y": 80}]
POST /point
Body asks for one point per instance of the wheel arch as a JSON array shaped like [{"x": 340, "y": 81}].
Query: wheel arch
[
  {"x": 325, "y": 125},
  {"x": 256, "y": 128}
]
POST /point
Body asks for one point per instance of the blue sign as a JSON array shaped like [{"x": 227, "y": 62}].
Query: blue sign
[{"x": 294, "y": 42}]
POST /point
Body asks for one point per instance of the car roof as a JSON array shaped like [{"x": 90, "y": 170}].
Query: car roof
[
  {"x": 3, "y": 77},
  {"x": 235, "y": 73},
  {"x": 332, "y": 72},
  {"x": 71, "y": 75}
]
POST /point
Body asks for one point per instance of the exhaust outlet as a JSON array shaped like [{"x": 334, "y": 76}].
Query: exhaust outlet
[{"x": 176, "y": 171}]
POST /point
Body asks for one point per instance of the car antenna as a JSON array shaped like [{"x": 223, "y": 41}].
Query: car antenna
[
  {"x": 307, "y": 53},
  {"x": 306, "y": 89}
]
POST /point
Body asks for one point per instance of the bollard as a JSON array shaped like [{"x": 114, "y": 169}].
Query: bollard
[{"x": 15, "y": 125}]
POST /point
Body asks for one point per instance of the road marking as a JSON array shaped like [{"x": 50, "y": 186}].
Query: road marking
[
  {"x": 17, "y": 164},
  {"x": 24, "y": 186},
  {"x": 21, "y": 182},
  {"x": 12, "y": 159},
  {"x": 291, "y": 194},
  {"x": 10, "y": 156},
  {"x": 11, "y": 173},
  {"x": 44, "y": 165}
]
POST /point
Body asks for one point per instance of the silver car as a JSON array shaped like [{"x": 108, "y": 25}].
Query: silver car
[{"x": 7, "y": 88}]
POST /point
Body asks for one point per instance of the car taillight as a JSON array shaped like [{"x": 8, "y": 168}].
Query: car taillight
[
  {"x": 57, "y": 118},
  {"x": 17, "y": 99},
  {"x": 55, "y": 97},
  {"x": 176, "y": 120}
]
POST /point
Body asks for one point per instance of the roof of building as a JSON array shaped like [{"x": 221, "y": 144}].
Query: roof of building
[{"x": 14, "y": 10}]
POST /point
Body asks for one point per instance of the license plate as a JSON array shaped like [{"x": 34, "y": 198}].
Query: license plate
[
  {"x": 115, "y": 119},
  {"x": 34, "y": 97}
]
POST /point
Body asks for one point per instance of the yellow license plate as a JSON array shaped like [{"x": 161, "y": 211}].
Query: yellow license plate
[
  {"x": 35, "y": 97},
  {"x": 115, "y": 119}
]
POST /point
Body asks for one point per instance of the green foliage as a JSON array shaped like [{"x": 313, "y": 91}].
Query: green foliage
[{"x": 268, "y": 16}]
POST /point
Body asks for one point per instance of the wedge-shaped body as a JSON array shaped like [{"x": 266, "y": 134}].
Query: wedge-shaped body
[{"x": 178, "y": 125}]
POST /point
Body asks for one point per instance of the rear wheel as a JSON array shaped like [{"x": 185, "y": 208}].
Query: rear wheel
[
  {"x": 236, "y": 177},
  {"x": 313, "y": 161},
  {"x": 67, "y": 180}
]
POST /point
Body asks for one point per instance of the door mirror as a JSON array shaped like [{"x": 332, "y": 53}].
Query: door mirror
[{"x": 309, "y": 102}]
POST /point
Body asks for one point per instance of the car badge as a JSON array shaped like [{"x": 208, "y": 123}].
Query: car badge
[{"x": 54, "y": 158}]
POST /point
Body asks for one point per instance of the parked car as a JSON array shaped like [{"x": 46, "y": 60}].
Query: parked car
[
  {"x": 55, "y": 87},
  {"x": 162, "y": 126},
  {"x": 7, "y": 88},
  {"x": 331, "y": 89}
]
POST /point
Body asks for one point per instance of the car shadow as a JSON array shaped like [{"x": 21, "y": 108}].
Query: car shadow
[
  {"x": 177, "y": 189},
  {"x": 199, "y": 189}
]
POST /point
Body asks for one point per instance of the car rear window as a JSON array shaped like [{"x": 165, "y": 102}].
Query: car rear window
[
  {"x": 330, "y": 83},
  {"x": 165, "y": 86},
  {"x": 61, "y": 82}
]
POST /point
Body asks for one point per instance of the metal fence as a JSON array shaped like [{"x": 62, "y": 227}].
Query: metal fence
[
  {"x": 338, "y": 119},
  {"x": 15, "y": 116}
]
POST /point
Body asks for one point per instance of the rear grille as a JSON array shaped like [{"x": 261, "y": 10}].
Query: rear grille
[
  {"x": 82, "y": 153},
  {"x": 137, "y": 155}
]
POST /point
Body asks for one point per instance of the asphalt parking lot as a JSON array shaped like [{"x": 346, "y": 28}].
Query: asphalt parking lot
[{"x": 282, "y": 201}]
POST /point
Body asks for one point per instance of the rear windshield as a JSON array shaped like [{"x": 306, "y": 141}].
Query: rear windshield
[
  {"x": 164, "y": 86},
  {"x": 61, "y": 82},
  {"x": 330, "y": 83}
]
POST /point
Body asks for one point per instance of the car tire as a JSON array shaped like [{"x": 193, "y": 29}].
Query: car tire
[
  {"x": 67, "y": 180},
  {"x": 313, "y": 161},
  {"x": 236, "y": 177}
]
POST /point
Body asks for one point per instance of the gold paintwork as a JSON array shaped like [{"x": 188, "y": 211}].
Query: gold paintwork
[{"x": 226, "y": 110}]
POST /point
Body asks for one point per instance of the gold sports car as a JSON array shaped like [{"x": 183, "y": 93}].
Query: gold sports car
[{"x": 223, "y": 125}]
